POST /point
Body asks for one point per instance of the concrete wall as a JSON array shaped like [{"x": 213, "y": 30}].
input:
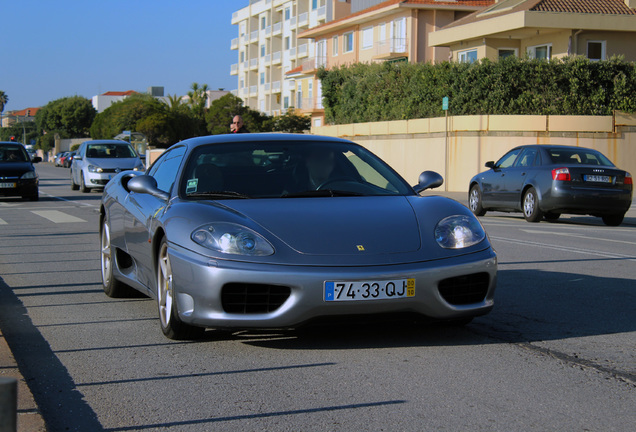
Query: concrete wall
[{"x": 413, "y": 146}]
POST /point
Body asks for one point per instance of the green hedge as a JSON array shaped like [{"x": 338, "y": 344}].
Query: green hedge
[{"x": 397, "y": 91}]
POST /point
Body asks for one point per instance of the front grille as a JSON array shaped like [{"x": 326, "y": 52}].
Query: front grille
[
  {"x": 463, "y": 290},
  {"x": 244, "y": 298}
]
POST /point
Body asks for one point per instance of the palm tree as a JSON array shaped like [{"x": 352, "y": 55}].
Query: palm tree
[
  {"x": 3, "y": 101},
  {"x": 174, "y": 102},
  {"x": 198, "y": 96}
]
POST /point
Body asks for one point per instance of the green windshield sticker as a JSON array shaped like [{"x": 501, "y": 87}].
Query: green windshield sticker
[{"x": 192, "y": 186}]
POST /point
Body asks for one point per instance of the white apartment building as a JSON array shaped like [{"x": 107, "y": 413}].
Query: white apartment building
[{"x": 269, "y": 51}]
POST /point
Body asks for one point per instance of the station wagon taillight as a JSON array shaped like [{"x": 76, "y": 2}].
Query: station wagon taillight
[
  {"x": 628, "y": 179},
  {"x": 562, "y": 174}
]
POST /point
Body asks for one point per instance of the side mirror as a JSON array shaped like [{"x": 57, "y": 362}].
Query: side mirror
[
  {"x": 37, "y": 159},
  {"x": 144, "y": 184},
  {"x": 77, "y": 157},
  {"x": 490, "y": 164},
  {"x": 428, "y": 180}
]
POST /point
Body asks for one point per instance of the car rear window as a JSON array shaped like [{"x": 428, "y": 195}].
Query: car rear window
[
  {"x": 578, "y": 157},
  {"x": 13, "y": 153},
  {"x": 106, "y": 151}
]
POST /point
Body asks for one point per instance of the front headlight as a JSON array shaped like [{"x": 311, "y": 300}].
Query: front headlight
[
  {"x": 232, "y": 239},
  {"x": 139, "y": 168},
  {"x": 94, "y": 169},
  {"x": 459, "y": 231},
  {"x": 29, "y": 175}
]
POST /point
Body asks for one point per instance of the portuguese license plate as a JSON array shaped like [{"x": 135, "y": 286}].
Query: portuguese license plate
[
  {"x": 7, "y": 185},
  {"x": 598, "y": 178},
  {"x": 369, "y": 290}
]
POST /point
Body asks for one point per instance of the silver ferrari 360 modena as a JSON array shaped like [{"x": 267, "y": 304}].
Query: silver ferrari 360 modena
[{"x": 273, "y": 230}]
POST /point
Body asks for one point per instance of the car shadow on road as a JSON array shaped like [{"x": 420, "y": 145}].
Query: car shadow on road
[{"x": 530, "y": 306}]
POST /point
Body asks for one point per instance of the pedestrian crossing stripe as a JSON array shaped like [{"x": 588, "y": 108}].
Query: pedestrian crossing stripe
[
  {"x": 3, "y": 222},
  {"x": 56, "y": 216}
]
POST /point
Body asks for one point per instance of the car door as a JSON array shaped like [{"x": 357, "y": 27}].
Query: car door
[
  {"x": 76, "y": 165},
  {"x": 493, "y": 181},
  {"x": 142, "y": 209},
  {"x": 516, "y": 175}
]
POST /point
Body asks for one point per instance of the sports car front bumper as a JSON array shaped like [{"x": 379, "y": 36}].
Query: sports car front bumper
[{"x": 199, "y": 283}]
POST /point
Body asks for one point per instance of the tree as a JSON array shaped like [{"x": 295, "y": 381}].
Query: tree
[
  {"x": 124, "y": 115},
  {"x": 70, "y": 116},
  {"x": 219, "y": 116},
  {"x": 198, "y": 96},
  {"x": 288, "y": 122},
  {"x": 3, "y": 101}
]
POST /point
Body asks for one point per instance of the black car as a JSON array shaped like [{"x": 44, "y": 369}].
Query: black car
[
  {"x": 17, "y": 173},
  {"x": 544, "y": 181}
]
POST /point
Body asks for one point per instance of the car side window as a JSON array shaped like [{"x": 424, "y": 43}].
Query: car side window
[
  {"x": 165, "y": 169},
  {"x": 508, "y": 159},
  {"x": 526, "y": 158}
]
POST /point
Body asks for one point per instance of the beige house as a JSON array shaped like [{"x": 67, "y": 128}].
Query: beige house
[
  {"x": 393, "y": 30},
  {"x": 597, "y": 29}
]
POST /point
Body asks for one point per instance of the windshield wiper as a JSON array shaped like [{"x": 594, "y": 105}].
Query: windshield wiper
[
  {"x": 321, "y": 193},
  {"x": 218, "y": 194}
]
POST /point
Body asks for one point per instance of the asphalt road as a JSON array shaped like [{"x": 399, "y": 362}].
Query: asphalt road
[{"x": 558, "y": 352}]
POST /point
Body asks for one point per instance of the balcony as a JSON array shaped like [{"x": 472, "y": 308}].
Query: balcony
[
  {"x": 234, "y": 69},
  {"x": 310, "y": 105},
  {"x": 276, "y": 58},
  {"x": 303, "y": 20},
  {"x": 311, "y": 66},
  {"x": 253, "y": 91},
  {"x": 278, "y": 28},
  {"x": 254, "y": 36},
  {"x": 276, "y": 87},
  {"x": 268, "y": 59},
  {"x": 390, "y": 49},
  {"x": 253, "y": 63},
  {"x": 234, "y": 44},
  {"x": 303, "y": 50},
  {"x": 322, "y": 12}
]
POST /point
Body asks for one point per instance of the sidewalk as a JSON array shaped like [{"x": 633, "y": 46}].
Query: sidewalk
[{"x": 29, "y": 418}]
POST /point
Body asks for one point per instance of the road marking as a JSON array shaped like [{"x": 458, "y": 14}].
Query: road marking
[
  {"x": 57, "y": 216},
  {"x": 5, "y": 204},
  {"x": 577, "y": 235},
  {"x": 67, "y": 200},
  {"x": 2, "y": 222},
  {"x": 566, "y": 249}
]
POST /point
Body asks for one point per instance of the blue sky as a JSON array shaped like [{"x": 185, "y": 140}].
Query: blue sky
[{"x": 56, "y": 48}]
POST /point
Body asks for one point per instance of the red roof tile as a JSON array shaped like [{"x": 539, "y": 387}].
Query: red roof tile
[{"x": 119, "y": 93}]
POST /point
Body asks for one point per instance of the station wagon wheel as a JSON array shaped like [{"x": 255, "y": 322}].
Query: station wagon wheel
[
  {"x": 112, "y": 287},
  {"x": 82, "y": 184},
  {"x": 171, "y": 326},
  {"x": 74, "y": 186},
  {"x": 474, "y": 201},
  {"x": 531, "y": 210}
]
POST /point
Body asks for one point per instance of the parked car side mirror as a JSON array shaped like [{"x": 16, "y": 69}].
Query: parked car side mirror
[
  {"x": 490, "y": 164},
  {"x": 146, "y": 184},
  {"x": 428, "y": 180},
  {"x": 36, "y": 159},
  {"x": 77, "y": 157}
]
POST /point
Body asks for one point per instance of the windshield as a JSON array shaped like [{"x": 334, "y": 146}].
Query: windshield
[
  {"x": 288, "y": 170},
  {"x": 578, "y": 156},
  {"x": 106, "y": 151},
  {"x": 13, "y": 153}
]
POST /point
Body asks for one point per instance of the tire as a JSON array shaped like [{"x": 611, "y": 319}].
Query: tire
[
  {"x": 112, "y": 287},
  {"x": 82, "y": 185},
  {"x": 35, "y": 197},
  {"x": 171, "y": 325},
  {"x": 474, "y": 201},
  {"x": 531, "y": 210},
  {"x": 552, "y": 217},
  {"x": 74, "y": 186},
  {"x": 613, "y": 220}
]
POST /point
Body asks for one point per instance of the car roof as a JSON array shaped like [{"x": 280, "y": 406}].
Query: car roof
[
  {"x": 106, "y": 142},
  {"x": 259, "y": 137},
  {"x": 12, "y": 143}
]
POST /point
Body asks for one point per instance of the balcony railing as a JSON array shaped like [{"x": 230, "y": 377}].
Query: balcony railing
[
  {"x": 234, "y": 69},
  {"x": 276, "y": 87},
  {"x": 276, "y": 57},
  {"x": 234, "y": 44},
  {"x": 253, "y": 63},
  {"x": 390, "y": 48},
  {"x": 322, "y": 12},
  {"x": 314, "y": 63},
  {"x": 278, "y": 28},
  {"x": 303, "y": 50},
  {"x": 254, "y": 36},
  {"x": 303, "y": 19}
]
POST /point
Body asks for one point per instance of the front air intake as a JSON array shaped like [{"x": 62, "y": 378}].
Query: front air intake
[{"x": 248, "y": 298}]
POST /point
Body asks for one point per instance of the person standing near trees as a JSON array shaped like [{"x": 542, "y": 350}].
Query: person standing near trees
[{"x": 237, "y": 125}]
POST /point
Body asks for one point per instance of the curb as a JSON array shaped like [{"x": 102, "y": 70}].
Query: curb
[{"x": 29, "y": 417}]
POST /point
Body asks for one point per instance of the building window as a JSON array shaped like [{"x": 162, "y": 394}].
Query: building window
[
  {"x": 286, "y": 102},
  {"x": 367, "y": 38},
  {"x": 287, "y": 13},
  {"x": 507, "y": 52},
  {"x": 314, "y": 4},
  {"x": 540, "y": 52},
  {"x": 334, "y": 47},
  {"x": 263, "y": 50},
  {"x": 242, "y": 56},
  {"x": 596, "y": 50},
  {"x": 348, "y": 42},
  {"x": 299, "y": 96},
  {"x": 262, "y": 78},
  {"x": 287, "y": 42},
  {"x": 467, "y": 56}
]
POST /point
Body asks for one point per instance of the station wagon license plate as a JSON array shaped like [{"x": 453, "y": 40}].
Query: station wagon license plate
[
  {"x": 7, "y": 185},
  {"x": 598, "y": 178},
  {"x": 369, "y": 290}
]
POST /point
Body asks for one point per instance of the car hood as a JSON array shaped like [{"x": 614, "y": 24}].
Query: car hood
[
  {"x": 14, "y": 169},
  {"x": 337, "y": 226},
  {"x": 112, "y": 163}
]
